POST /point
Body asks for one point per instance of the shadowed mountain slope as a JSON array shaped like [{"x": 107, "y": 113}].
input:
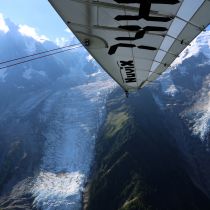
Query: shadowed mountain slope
[{"x": 138, "y": 165}]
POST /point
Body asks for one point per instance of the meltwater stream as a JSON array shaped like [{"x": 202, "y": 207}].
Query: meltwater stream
[{"x": 73, "y": 119}]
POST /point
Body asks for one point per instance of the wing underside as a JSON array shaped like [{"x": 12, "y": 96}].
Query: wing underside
[{"x": 134, "y": 40}]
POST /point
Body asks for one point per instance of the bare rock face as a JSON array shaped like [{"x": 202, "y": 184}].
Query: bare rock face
[
  {"x": 20, "y": 196},
  {"x": 151, "y": 153},
  {"x": 50, "y": 111},
  {"x": 153, "y": 149},
  {"x": 139, "y": 164}
]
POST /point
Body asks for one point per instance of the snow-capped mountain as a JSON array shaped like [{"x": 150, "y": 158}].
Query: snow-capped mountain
[
  {"x": 188, "y": 82},
  {"x": 72, "y": 118},
  {"x": 51, "y": 110},
  {"x": 183, "y": 94},
  {"x": 153, "y": 150}
]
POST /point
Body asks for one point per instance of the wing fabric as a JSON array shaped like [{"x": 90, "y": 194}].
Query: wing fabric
[{"x": 134, "y": 40}]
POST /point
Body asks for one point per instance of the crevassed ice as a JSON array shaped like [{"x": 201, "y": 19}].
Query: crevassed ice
[
  {"x": 172, "y": 90},
  {"x": 201, "y": 125},
  {"x": 73, "y": 118},
  {"x": 3, "y": 74},
  {"x": 200, "y": 111}
]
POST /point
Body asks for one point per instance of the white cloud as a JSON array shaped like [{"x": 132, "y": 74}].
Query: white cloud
[
  {"x": 3, "y": 25},
  {"x": 26, "y": 30}
]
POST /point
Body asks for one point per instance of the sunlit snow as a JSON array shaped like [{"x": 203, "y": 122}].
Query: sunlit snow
[
  {"x": 199, "y": 113},
  {"x": 200, "y": 43},
  {"x": 202, "y": 125},
  {"x": 29, "y": 31},
  {"x": 3, "y": 26},
  {"x": 172, "y": 90},
  {"x": 74, "y": 117},
  {"x": 167, "y": 85},
  {"x": 201, "y": 109},
  {"x": 28, "y": 73},
  {"x": 3, "y": 74}
]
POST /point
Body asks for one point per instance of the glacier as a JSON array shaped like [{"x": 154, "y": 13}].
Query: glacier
[
  {"x": 73, "y": 117},
  {"x": 199, "y": 114},
  {"x": 66, "y": 98},
  {"x": 57, "y": 104}
]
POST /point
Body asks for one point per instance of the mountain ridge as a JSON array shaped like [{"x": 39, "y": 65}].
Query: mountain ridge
[
  {"x": 51, "y": 111},
  {"x": 164, "y": 161},
  {"x": 137, "y": 170}
]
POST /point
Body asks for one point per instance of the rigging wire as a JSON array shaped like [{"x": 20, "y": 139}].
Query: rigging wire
[
  {"x": 70, "y": 47},
  {"x": 39, "y": 53}
]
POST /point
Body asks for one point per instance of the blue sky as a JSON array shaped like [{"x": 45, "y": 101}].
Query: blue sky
[{"x": 38, "y": 14}]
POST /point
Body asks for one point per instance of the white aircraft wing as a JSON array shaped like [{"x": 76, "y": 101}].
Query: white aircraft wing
[{"x": 134, "y": 40}]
